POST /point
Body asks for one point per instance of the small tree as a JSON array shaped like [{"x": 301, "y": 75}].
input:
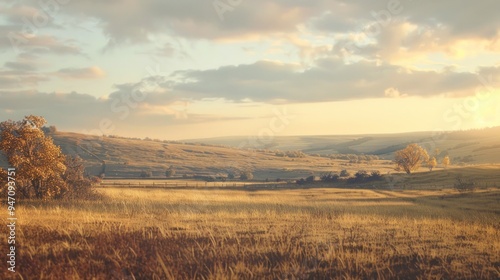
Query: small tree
[
  {"x": 375, "y": 175},
  {"x": 410, "y": 158},
  {"x": 80, "y": 187},
  {"x": 310, "y": 179},
  {"x": 170, "y": 172},
  {"x": 327, "y": 178},
  {"x": 246, "y": 175},
  {"x": 431, "y": 163},
  {"x": 463, "y": 185},
  {"x": 146, "y": 174},
  {"x": 361, "y": 176},
  {"x": 344, "y": 173},
  {"x": 446, "y": 161}
]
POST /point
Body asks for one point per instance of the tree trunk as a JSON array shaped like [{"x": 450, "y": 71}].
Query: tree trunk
[{"x": 37, "y": 185}]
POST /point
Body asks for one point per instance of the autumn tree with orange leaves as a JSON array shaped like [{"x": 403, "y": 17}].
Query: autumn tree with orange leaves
[
  {"x": 410, "y": 158},
  {"x": 42, "y": 170}
]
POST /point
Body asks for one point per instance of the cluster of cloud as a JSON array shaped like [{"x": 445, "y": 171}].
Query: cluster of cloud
[
  {"x": 330, "y": 80},
  {"x": 386, "y": 37}
]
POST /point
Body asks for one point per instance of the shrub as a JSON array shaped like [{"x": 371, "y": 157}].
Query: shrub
[
  {"x": 375, "y": 176},
  {"x": 246, "y": 175},
  {"x": 307, "y": 180},
  {"x": 463, "y": 185},
  {"x": 300, "y": 181},
  {"x": 328, "y": 178},
  {"x": 170, "y": 172},
  {"x": 361, "y": 176},
  {"x": 95, "y": 180},
  {"x": 146, "y": 174},
  {"x": 310, "y": 179},
  {"x": 344, "y": 173}
]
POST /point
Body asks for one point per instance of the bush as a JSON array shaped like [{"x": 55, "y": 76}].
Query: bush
[
  {"x": 300, "y": 181},
  {"x": 170, "y": 172},
  {"x": 375, "y": 176},
  {"x": 307, "y": 180},
  {"x": 79, "y": 186},
  {"x": 146, "y": 174},
  {"x": 463, "y": 185},
  {"x": 95, "y": 180},
  {"x": 310, "y": 179},
  {"x": 344, "y": 173},
  {"x": 329, "y": 178},
  {"x": 361, "y": 176},
  {"x": 246, "y": 175}
]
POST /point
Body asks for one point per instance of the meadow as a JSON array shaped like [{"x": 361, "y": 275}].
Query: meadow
[{"x": 317, "y": 233}]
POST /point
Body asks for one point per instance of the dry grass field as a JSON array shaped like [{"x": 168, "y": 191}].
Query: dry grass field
[
  {"x": 128, "y": 157},
  {"x": 264, "y": 234}
]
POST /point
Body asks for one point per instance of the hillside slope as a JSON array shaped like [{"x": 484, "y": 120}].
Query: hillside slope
[
  {"x": 120, "y": 157},
  {"x": 469, "y": 147},
  {"x": 124, "y": 157}
]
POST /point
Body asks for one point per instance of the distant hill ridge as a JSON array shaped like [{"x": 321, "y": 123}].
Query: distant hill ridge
[{"x": 463, "y": 143}]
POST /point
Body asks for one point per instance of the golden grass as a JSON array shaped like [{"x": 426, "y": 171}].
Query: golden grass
[
  {"x": 128, "y": 157},
  {"x": 272, "y": 234}
]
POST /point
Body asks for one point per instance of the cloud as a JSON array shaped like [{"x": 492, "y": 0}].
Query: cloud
[
  {"x": 13, "y": 39},
  {"x": 93, "y": 72},
  {"x": 136, "y": 21},
  {"x": 82, "y": 111},
  {"x": 20, "y": 79},
  {"x": 393, "y": 93},
  {"x": 436, "y": 26},
  {"x": 329, "y": 80},
  {"x": 24, "y": 27},
  {"x": 21, "y": 66},
  {"x": 402, "y": 42}
]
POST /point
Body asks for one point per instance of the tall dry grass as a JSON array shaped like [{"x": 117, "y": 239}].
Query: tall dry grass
[{"x": 285, "y": 234}]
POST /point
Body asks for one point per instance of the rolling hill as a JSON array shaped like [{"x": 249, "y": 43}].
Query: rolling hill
[
  {"x": 125, "y": 157},
  {"x": 468, "y": 147}
]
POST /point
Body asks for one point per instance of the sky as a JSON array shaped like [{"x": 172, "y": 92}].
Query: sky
[{"x": 170, "y": 69}]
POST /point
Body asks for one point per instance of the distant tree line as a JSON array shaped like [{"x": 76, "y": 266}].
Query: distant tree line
[
  {"x": 353, "y": 158},
  {"x": 290, "y": 154},
  {"x": 362, "y": 176}
]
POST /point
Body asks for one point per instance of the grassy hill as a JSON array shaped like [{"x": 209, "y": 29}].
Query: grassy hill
[
  {"x": 120, "y": 157},
  {"x": 125, "y": 157},
  {"x": 469, "y": 147}
]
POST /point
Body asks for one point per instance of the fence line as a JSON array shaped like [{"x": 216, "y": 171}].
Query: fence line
[{"x": 189, "y": 185}]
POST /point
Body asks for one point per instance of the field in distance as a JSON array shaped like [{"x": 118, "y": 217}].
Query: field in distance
[
  {"x": 483, "y": 176},
  {"x": 262, "y": 234}
]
